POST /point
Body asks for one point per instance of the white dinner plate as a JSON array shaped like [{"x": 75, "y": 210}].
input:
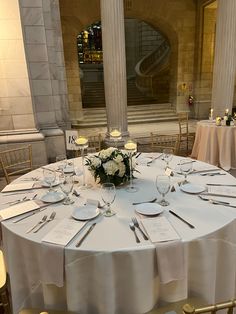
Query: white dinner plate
[
  {"x": 86, "y": 212},
  {"x": 192, "y": 188},
  {"x": 68, "y": 169},
  {"x": 46, "y": 185},
  {"x": 149, "y": 209},
  {"x": 53, "y": 197}
]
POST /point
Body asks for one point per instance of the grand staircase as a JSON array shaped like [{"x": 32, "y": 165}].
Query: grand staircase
[{"x": 96, "y": 117}]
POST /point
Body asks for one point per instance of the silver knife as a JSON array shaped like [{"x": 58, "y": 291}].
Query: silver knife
[
  {"x": 182, "y": 219},
  {"x": 85, "y": 235}
]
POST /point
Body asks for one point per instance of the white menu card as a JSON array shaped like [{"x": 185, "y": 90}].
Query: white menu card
[
  {"x": 18, "y": 209},
  {"x": 159, "y": 229},
  {"x": 64, "y": 232},
  {"x": 18, "y": 186},
  {"x": 222, "y": 190}
]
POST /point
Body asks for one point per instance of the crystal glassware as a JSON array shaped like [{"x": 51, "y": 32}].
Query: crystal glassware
[
  {"x": 115, "y": 135},
  {"x": 163, "y": 187},
  {"x": 186, "y": 166},
  {"x": 82, "y": 143},
  {"x": 108, "y": 194},
  {"x": 49, "y": 177},
  {"x": 67, "y": 184},
  {"x": 168, "y": 155},
  {"x": 61, "y": 160},
  {"x": 131, "y": 148}
]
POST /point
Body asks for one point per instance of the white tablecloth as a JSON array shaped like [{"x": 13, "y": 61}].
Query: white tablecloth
[
  {"x": 215, "y": 144},
  {"x": 110, "y": 272}
]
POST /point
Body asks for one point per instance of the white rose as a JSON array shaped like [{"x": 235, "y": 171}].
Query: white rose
[{"x": 110, "y": 167}]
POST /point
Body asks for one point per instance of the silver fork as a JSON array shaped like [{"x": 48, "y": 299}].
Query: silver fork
[
  {"x": 132, "y": 227},
  {"x": 52, "y": 216},
  {"x": 136, "y": 224},
  {"x": 38, "y": 223}
]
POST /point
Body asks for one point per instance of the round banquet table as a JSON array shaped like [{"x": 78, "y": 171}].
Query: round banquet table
[
  {"x": 215, "y": 144},
  {"x": 110, "y": 272}
]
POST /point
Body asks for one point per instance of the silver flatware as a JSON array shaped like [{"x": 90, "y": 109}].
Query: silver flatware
[
  {"x": 132, "y": 227},
  {"x": 217, "y": 202},
  {"x": 16, "y": 201},
  {"x": 202, "y": 171},
  {"x": 38, "y": 223},
  {"x": 136, "y": 224},
  {"x": 153, "y": 159},
  {"x": 150, "y": 201},
  {"x": 182, "y": 219},
  {"x": 30, "y": 214},
  {"x": 85, "y": 235},
  {"x": 211, "y": 174},
  {"x": 187, "y": 162},
  {"x": 218, "y": 184},
  {"x": 138, "y": 154},
  {"x": 51, "y": 217}
]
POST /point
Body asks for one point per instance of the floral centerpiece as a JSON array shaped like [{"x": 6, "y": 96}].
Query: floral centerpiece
[{"x": 110, "y": 165}]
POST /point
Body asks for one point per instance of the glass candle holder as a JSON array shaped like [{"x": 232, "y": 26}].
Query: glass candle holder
[
  {"x": 82, "y": 143},
  {"x": 131, "y": 148},
  {"x": 115, "y": 135}
]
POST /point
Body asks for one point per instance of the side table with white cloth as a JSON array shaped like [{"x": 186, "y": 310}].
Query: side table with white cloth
[
  {"x": 215, "y": 144},
  {"x": 111, "y": 273}
]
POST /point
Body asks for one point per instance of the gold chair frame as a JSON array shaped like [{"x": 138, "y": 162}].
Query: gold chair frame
[
  {"x": 185, "y": 137},
  {"x": 230, "y": 305},
  {"x": 16, "y": 161},
  {"x": 161, "y": 141}
]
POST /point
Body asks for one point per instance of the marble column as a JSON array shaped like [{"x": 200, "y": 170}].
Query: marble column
[
  {"x": 225, "y": 61},
  {"x": 114, "y": 63}
]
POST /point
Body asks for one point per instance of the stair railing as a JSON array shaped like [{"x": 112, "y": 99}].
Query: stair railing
[{"x": 143, "y": 69}]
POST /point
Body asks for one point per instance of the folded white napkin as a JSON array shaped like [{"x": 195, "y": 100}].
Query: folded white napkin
[
  {"x": 52, "y": 248},
  {"x": 18, "y": 186},
  {"x": 18, "y": 209}
]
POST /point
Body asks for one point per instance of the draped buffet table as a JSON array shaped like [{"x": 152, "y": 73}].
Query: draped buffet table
[
  {"x": 110, "y": 272},
  {"x": 215, "y": 144}
]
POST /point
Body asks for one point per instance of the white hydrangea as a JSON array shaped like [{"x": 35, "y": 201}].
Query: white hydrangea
[
  {"x": 96, "y": 162},
  {"x": 121, "y": 169},
  {"x": 105, "y": 153},
  {"x": 110, "y": 167}
]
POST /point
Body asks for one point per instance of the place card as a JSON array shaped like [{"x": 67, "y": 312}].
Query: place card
[
  {"x": 159, "y": 229},
  {"x": 222, "y": 190},
  {"x": 18, "y": 186},
  {"x": 18, "y": 209},
  {"x": 64, "y": 232}
]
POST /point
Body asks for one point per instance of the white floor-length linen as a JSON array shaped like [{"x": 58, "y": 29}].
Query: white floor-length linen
[
  {"x": 215, "y": 144},
  {"x": 110, "y": 272}
]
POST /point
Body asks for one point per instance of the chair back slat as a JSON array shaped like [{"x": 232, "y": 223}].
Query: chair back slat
[
  {"x": 15, "y": 161},
  {"x": 160, "y": 142},
  {"x": 213, "y": 309}
]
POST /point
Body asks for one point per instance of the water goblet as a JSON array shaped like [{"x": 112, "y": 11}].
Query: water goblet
[
  {"x": 163, "y": 187},
  {"x": 108, "y": 194},
  {"x": 168, "y": 155},
  {"x": 49, "y": 177},
  {"x": 66, "y": 185},
  {"x": 61, "y": 159},
  {"x": 186, "y": 166}
]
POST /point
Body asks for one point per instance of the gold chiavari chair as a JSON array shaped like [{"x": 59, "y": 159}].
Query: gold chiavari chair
[
  {"x": 228, "y": 305},
  {"x": 160, "y": 142},
  {"x": 16, "y": 161},
  {"x": 186, "y": 139},
  {"x": 95, "y": 141},
  {"x": 41, "y": 311},
  {"x": 5, "y": 307}
]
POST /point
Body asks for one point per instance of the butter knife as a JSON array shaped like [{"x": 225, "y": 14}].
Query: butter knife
[
  {"x": 182, "y": 219},
  {"x": 85, "y": 235}
]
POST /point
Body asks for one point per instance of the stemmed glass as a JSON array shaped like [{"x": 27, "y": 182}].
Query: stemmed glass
[
  {"x": 49, "y": 177},
  {"x": 82, "y": 143},
  {"x": 61, "y": 159},
  {"x": 163, "y": 187},
  {"x": 131, "y": 148},
  {"x": 168, "y": 155},
  {"x": 186, "y": 166},
  {"x": 67, "y": 184},
  {"x": 108, "y": 193}
]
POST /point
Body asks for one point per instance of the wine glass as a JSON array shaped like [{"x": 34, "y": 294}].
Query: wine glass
[
  {"x": 168, "y": 155},
  {"x": 67, "y": 184},
  {"x": 163, "y": 187},
  {"x": 131, "y": 148},
  {"x": 49, "y": 177},
  {"x": 186, "y": 166},
  {"x": 61, "y": 159},
  {"x": 108, "y": 193}
]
